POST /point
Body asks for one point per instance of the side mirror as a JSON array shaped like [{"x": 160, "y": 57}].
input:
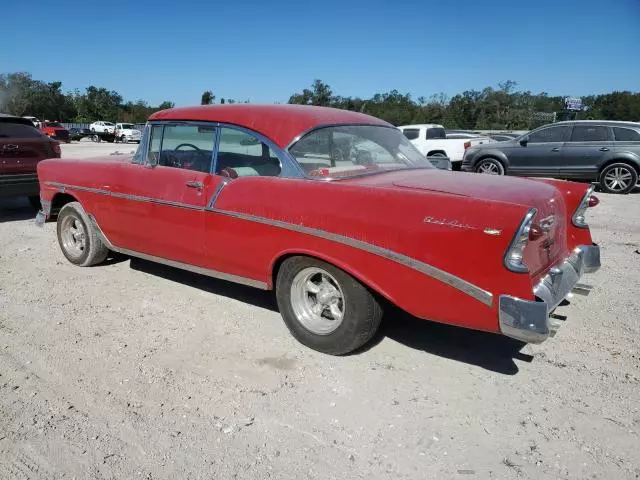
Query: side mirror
[{"x": 524, "y": 141}]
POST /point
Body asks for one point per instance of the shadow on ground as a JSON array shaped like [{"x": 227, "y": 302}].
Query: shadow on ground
[
  {"x": 13, "y": 209},
  {"x": 489, "y": 351}
]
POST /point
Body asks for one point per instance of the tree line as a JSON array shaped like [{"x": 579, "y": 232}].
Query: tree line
[{"x": 501, "y": 108}]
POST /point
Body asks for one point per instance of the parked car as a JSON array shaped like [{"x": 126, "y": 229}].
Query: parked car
[
  {"x": 431, "y": 140},
  {"x": 22, "y": 146},
  {"x": 334, "y": 210},
  {"x": 102, "y": 127},
  {"x": 127, "y": 132},
  {"x": 606, "y": 152},
  {"x": 35, "y": 120},
  {"x": 79, "y": 133},
  {"x": 55, "y": 130}
]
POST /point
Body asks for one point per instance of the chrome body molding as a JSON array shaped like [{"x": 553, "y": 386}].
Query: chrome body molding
[
  {"x": 528, "y": 320},
  {"x": 458, "y": 283},
  {"x": 429, "y": 270},
  {"x": 173, "y": 263}
]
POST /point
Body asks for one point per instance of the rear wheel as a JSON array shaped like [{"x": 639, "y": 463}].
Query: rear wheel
[
  {"x": 325, "y": 308},
  {"x": 78, "y": 240},
  {"x": 490, "y": 166},
  {"x": 618, "y": 178}
]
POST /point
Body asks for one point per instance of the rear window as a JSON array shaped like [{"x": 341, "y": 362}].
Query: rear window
[
  {"x": 53, "y": 124},
  {"x": 589, "y": 134},
  {"x": 436, "y": 133},
  {"x": 18, "y": 130},
  {"x": 625, "y": 135},
  {"x": 411, "y": 133}
]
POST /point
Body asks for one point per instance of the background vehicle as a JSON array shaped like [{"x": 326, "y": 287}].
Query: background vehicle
[
  {"x": 35, "y": 120},
  {"x": 607, "y": 152},
  {"x": 22, "y": 147},
  {"x": 366, "y": 220},
  {"x": 127, "y": 132},
  {"x": 102, "y": 127},
  {"x": 55, "y": 130},
  {"x": 79, "y": 133},
  {"x": 431, "y": 140}
]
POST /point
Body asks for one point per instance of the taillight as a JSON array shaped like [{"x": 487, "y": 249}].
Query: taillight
[
  {"x": 579, "y": 216},
  {"x": 467, "y": 145},
  {"x": 514, "y": 258}
]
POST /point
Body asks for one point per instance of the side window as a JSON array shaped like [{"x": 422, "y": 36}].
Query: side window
[
  {"x": 411, "y": 133},
  {"x": 153, "y": 154},
  {"x": 626, "y": 135},
  {"x": 241, "y": 154},
  {"x": 438, "y": 133},
  {"x": 589, "y": 133},
  {"x": 551, "y": 134},
  {"x": 187, "y": 146}
]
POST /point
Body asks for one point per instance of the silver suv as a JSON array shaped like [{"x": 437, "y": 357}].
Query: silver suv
[{"x": 607, "y": 152}]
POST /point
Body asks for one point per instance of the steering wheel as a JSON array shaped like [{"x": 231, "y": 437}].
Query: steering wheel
[{"x": 188, "y": 145}]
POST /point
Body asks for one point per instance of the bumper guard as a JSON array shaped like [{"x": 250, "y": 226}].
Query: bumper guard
[{"x": 528, "y": 320}]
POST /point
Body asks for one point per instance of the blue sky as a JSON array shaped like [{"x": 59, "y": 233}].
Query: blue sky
[{"x": 264, "y": 51}]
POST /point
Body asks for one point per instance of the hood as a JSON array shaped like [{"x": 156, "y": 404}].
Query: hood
[{"x": 475, "y": 185}]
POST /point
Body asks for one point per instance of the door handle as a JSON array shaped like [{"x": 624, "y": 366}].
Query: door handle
[
  {"x": 195, "y": 184},
  {"x": 555, "y": 149},
  {"x": 604, "y": 149}
]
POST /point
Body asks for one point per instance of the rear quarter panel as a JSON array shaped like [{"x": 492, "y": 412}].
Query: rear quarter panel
[{"x": 390, "y": 218}]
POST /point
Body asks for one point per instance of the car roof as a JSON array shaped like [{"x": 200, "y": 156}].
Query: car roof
[
  {"x": 422, "y": 125},
  {"x": 14, "y": 119},
  {"x": 611, "y": 123},
  {"x": 282, "y": 124}
]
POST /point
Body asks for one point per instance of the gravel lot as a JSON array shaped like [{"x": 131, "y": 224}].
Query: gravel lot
[{"x": 134, "y": 370}]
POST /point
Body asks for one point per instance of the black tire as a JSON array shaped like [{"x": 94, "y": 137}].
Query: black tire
[
  {"x": 94, "y": 251},
  {"x": 613, "y": 174},
  {"x": 362, "y": 312},
  {"x": 34, "y": 200},
  {"x": 488, "y": 165}
]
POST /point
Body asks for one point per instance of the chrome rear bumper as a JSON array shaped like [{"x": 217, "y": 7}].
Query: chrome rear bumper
[{"x": 528, "y": 320}]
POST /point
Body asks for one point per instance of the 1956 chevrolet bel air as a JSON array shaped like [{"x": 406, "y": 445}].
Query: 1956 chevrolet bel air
[{"x": 334, "y": 210}]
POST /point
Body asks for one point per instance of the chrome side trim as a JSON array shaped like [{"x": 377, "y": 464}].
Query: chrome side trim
[
  {"x": 175, "y": 264},
  {"x": 429, "y": 270},
  {"x": 136, "y": 198},
  {"x": 217, "y": 192}
]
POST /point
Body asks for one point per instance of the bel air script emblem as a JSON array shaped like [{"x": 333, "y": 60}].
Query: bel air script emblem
[
  {"x": 456, "y": 224},
  {"x": 448, "y": 223}
]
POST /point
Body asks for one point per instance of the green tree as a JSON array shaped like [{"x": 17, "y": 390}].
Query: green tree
[
  {"x": 166, "y": 105},
  {"x": 207, "y": 98}
]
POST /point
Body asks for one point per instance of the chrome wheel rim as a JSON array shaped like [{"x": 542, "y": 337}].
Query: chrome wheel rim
[
  {"x": 489, "y": 168},
  {"x": 317, "y": 300},
  {"x": 73, "y": 235},
  {"x": 618, "y": 179}
]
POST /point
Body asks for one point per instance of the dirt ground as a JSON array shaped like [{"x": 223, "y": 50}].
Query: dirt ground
[{"x": 133, "y": 370}]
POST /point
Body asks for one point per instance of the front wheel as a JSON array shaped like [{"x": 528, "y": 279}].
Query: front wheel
[
  {"x": 618, "y": 178},
  {"x": 78, "y": 239},
  {"x": 325, "y": 308},
  {"x": 490, "y": 166}
]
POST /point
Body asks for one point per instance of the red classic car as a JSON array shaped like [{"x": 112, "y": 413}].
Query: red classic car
[{"x": 334, "y": 210}]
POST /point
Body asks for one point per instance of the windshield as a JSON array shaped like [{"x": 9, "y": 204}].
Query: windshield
[
  {"x": 127, "y": 126},
  {"x": 350, "y": 150},
  {"x": 109, "y": 124},
  {"x": 53, "y": 124}
]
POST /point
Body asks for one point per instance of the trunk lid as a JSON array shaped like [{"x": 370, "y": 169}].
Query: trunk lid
[
  {"x": 21, "y": 155},
  {"x": 541, "y": 253}
]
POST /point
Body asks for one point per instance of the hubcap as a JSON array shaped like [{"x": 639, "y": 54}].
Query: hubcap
[
  {"x": 618, "y": 179},
  {"x": 74, "y": 237},
  {"x": 317, "y": 300},
  {"x": 489, "y": 167}
]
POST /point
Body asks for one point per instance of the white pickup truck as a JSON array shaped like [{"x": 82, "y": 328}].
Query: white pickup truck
[{"x": 431, "y": 139}]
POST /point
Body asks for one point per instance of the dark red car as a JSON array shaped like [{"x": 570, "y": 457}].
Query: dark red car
[{"x": 22, "y": 146}]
